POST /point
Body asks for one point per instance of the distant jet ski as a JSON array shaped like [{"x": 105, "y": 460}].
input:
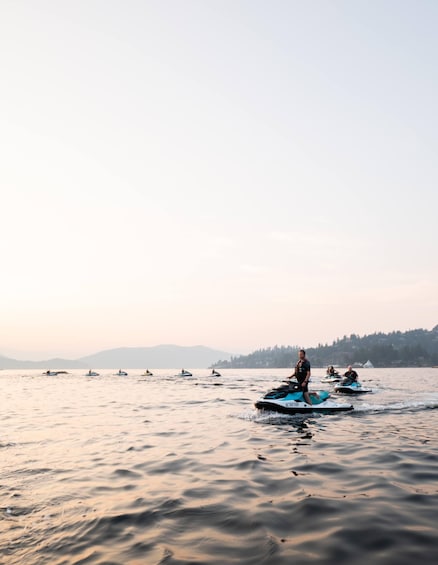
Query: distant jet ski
[
  {"x": 147, "y": 373},
  {"x": 331, "y": 378},
  {"x": 184, "y": 373},
  {"x": 92, "y": 374},
  {"x": 121, "y": 373},
  {"x": 215, "y": 373},
  {"x": 52, "y": 373},
  {"x": 347, "y": 386},
  {"x": 288, "y": 399}
]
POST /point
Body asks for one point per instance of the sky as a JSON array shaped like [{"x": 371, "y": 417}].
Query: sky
[{"x": 232, "y": 173}]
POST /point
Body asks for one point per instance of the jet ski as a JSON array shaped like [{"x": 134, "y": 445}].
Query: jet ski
[
  {"x": 147, "y": 373},
  {"x": 52, "y": 373},
  {"x": 288, "y": 399},
  {"x": 347, "y": 386},
  {"x": 215, "y": 373},
  {"x": 331, "y": 378},
  {"x": 184, "y": 373},
  {"x": 122, "y": 373},
  {"x": 92, "y": 374}
]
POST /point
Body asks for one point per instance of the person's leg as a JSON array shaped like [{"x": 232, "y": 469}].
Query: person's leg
[{"x": 306, "y": 394}]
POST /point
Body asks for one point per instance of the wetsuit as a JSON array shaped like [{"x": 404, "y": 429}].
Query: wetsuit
[{"x": 301, "y": 370}]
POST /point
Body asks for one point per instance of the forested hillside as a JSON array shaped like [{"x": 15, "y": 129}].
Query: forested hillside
[{"x": 414, "y": 348}]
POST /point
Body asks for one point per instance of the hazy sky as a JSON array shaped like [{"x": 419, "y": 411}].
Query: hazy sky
[{"x": 220, "y": 172}]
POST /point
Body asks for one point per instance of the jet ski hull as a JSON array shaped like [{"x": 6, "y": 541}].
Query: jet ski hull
[
  {"x": 330, "y": 379},
  {"x": 347, "y": 389},
  {"x": 292, "y": 402},
  {"x": 303, "y": 408}
]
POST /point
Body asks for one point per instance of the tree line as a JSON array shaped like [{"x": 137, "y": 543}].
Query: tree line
[{"x": 413, "y": 348}]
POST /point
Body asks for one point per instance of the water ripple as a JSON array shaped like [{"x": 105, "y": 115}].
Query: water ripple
[{"x": 161, "y": 471}]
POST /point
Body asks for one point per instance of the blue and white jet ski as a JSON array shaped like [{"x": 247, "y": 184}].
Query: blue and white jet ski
[
  {"x": 289, "y": 399},
  {"x": 331, "y": 378},
  {"x": 347, "y": 386}
]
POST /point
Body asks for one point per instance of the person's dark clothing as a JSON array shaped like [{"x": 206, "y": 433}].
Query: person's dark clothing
[
  {"x": 351, "y": 376},
  {"x": 301, "y": 370}
]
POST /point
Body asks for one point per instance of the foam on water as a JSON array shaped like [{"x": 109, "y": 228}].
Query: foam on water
[{"x": 411, "y": 406}]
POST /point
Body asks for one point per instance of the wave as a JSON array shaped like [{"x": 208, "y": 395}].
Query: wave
[
  {"x": 264, "y": 416},
  {"x": 406, "y": 406}
]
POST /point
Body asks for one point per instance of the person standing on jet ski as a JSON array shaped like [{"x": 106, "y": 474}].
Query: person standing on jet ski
[
  {"x": 302, "y": 374},
  {"x": 350, "y": 376}
]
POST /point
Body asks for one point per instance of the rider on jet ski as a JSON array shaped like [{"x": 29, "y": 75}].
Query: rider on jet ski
[
  {"x": 350, "y": 376},
  {"x": 302, "y": 374}
]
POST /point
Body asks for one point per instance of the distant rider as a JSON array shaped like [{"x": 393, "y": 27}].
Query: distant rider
[
  {"x": 331, "y": 371},
  {"x": 302, "y": 374}
]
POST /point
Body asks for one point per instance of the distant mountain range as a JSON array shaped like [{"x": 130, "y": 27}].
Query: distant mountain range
[
  {"x": 414, "y": 348},
  {"x": 158, "y": 357}
]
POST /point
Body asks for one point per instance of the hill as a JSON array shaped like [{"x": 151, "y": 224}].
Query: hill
[
  {"x": 158, "y": 357},
  {"x": 9, "y": 363},
  {"x": 414, "y": 348}
]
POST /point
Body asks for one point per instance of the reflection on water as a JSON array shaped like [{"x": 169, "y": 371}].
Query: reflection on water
[{"x": 122, "y": 470}]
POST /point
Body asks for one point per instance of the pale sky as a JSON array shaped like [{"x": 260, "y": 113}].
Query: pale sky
[{"x": 230, "y": 173}]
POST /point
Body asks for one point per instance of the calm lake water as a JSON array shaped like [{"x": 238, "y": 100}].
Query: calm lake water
[{"x": 166, "y": 470}]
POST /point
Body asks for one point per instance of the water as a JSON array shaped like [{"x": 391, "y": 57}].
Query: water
[{"x": 160, "y": 470}]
